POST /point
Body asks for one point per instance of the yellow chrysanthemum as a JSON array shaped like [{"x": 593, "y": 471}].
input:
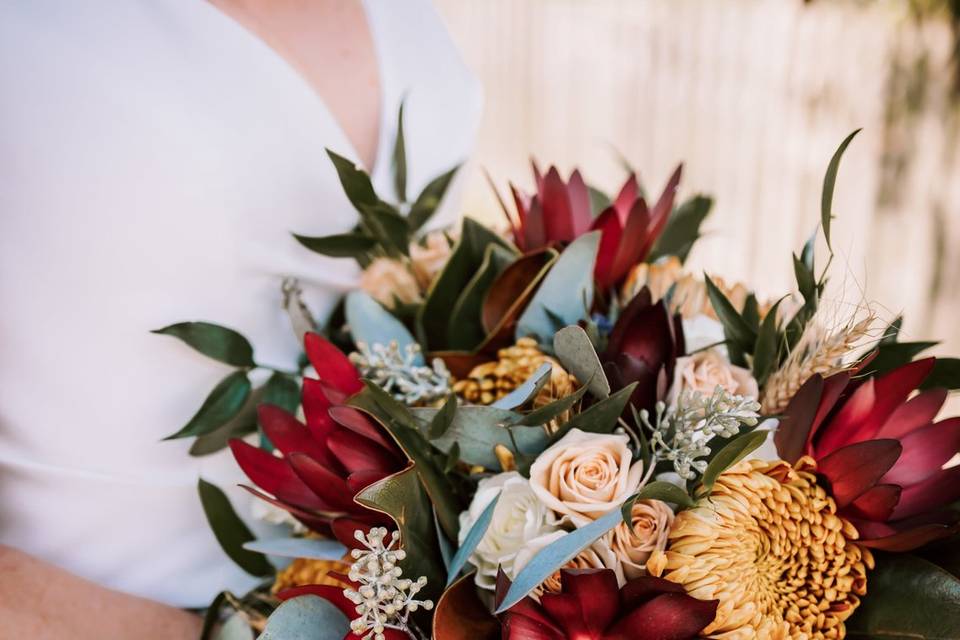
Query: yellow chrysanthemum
[
  {"x": 769, "y": 546},
  {"x": 304, "y": 571}
]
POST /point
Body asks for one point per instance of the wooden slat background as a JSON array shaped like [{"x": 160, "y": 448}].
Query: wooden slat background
[{"x": 753, "y": 96}]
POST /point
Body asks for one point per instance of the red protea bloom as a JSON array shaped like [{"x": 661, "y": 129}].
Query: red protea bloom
[
  {"x": 643, "y": 348},
  {"x": 326, "y": 462},
  {"x": 560, "y": 212},
  {"x": 880, "y": 451},
  {"x": 591, "y": 607}
]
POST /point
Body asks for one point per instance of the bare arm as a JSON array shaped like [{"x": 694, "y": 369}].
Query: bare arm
[{"x": 41, "y": 602}]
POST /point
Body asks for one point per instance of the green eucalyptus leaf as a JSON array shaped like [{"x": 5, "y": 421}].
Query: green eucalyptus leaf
[
  {"x": 576, "y": 353},
  {"x": 440, "y": 423},
  {"x": 527, "y": 391},
  {"x": 601, "y": 417},
  {"x": 429, "y": 199},
  {"x": 355, "y": 182},
  {"x": 465, "y": 329},
  {"x": 829, "y": 181},
  {"x": 212, "y": 615},
  {"x": 909, "y": 599},
  {"x": 400, "y": 160},
  {"x": 235, "y": 628},
  {"x": 306, "y": 618},
  {"x": 766, "y": 350},
  {"x": 402, "y": 497},
  {"x": 476, "y": 430},
  {"x": 223, "y": 404},
  {"x": 343, "y": 245},
  {"x": 896, "y": 354},
  {"x": 386, "y": 224},
  {"x": 735, "y": 327},
  {"x": 566, "y": 294},
  {"x": 310, "y": 548},
  {"x": 548, "y": 412},
  {"x": 657, "y": 490},
  {"x": 245, "y": 422},
  {"x": 682, "y": 229},
  {"x": 472, "y": 539},
  {"x": 751, "y": 312},
  {"x": 282, "y": 390},
  {"x": 214, "y": 341},
  {"x": 369, "y": 322},
  {"x": 735, "y": 451},
  {"x": 556, "y": 555},
  {"x": 230, "y": 530},
  {"x": 453, "y": 458}
]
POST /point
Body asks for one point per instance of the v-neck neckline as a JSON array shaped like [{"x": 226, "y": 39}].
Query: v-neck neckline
[{"x": 279, "y": 60}]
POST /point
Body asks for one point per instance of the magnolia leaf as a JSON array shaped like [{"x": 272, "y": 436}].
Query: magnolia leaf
[
  {"x": 472, "y": 539},
  {"x": 910, "y": 598},
  {"x": 601, "y": 417},
  {"x": 945, "y": 375},
  {"x": 400, "y": 160},
  {"x": 682, "y": 229},
  {"x": 476, "y": 430},
  {"x": 355, "y": 182},
  {"x": 577, "y": 354},
  {"x": 214, "y": 341},
  {"x": 465, "y": 327},
  {"x": 405, "y": 430},
  {"x": 548, "y": 412},
  {"x": 224, "y": 402},
  {"x": 236, "y": 427},
  {"x": 735, "y": 327},
  {"x": 829, "y": 181},
  {"x": 344, "y": 245},
  {"x": 386, "y": 224},
  {"x": 467, "y": 256},
  {"x": 657, "y": 490},
  {"x": 401, "y": 496},
  {"x": 526, "y": 391},
  {"x": 735, "y": 451},
  {"x": 235, "y": 628},
  {"x": 441, "y": 422},
  {"x": 556, "y": 555},
  {"x": 230, "y": 531},
  {"x": 309, "y": 548},
  {"x": 462, "y": 615},
  {"x": 429, "y": 199},
  {"x": 306, "y": 618},
  {"x": 566, "y": 291},
  {"x": 370, "y": 323}
]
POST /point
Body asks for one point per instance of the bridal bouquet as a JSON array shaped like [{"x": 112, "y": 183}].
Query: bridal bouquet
[{"x": 555, "y": 431}]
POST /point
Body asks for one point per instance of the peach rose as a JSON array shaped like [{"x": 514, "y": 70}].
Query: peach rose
[
  {"x": 388, "y": 280},
  {"x": 585, "y": 475},
  {"x": 596, "y": 556},
  {"x": 646, "y": 534},
  {"x": 704, "y": 370},
  {"x": 429, "y": 259}
]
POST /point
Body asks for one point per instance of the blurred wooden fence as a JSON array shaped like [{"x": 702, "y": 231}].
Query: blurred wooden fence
[{"x": 753, "y": 96}]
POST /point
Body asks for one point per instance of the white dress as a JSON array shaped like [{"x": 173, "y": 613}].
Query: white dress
[{"x": 154, "y": 158}]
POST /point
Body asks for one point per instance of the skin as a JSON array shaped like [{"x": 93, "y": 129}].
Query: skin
[{"x": 328, "y": 42}]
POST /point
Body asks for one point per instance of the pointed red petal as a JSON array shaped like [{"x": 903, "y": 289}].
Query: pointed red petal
[
  {"x": 537, "y": 175},
  {"x": 520, "y": 627},
  {"x": 535, "y": 230},
  {"x": 359, "y": 423},
  {"x": 289, "y": 436},
  {"x": 274, "y": 475},
  {"x": 362, "y": 479},
  {"x": 793, "y": 432},
  {"x": 629, "y": 193},
  {"x": 854, "y": 469},
  {"x": 331, "y": 488},
  {"x": 876, "y": 503},
  {"x": 579, "y": 204},
  {"x": 357, "y": 453},
  {"x": 644, "y": 588},
  {"x": 661, "y": 212},
  {"x": 557, "y": 212},
  {"x": 332, "y": 366},
  {"x": 314, "y": 522},
  {"x": 909, "y": 534},
  {"x": 313, "y": 396},
  {"x": 925, "y": 451},
  {"x": 936, "y": 491},
  {"x": 671, "y": 616},
  {"x": 918, "y": 412},
  {"x": 588, "y": 603},
  {"x": 610, "y": 234},
  {"x": 632, "y": 240}
]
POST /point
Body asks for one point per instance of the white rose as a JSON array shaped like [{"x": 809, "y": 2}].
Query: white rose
[
  {"x": 585, "y": 475},
  {"x": 702, "y": 331},
  {"x": 518, "y": 518}
]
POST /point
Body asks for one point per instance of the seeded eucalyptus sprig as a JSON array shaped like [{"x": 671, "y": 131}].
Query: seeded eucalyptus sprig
[{"x": 385, "y": 228}]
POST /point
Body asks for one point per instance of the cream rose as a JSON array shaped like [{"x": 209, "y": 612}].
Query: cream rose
[
  {"x": 597, "y": 556},
  {"x": 704, "y": 370},
  {"x": 388, "y": 280},
  {"x": 518, "y": 518},
  {"x": 585, "y": 475},
  {"x": 646, "y": 534},
  {"x": 429, "y": 259}
]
